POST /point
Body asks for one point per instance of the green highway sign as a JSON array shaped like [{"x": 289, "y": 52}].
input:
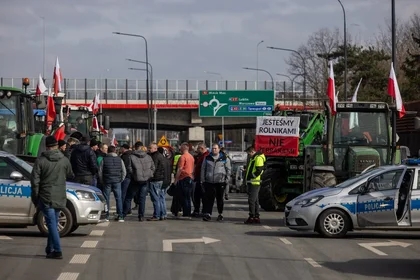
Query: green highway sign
[{"x": 235, "y": 103}]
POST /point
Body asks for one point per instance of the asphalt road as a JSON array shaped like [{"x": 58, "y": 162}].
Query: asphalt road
[{"x": 144, "y": 250}]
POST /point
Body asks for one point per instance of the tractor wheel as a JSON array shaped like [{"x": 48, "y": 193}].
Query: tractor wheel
[
  {"x": 269, "y": 196},
  {"x": 322, "y": 180}
]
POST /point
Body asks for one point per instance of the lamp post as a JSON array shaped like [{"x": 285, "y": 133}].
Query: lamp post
[
  {"x": 345, "y": 51},
  {"x": 262, "y": 70},
  {"x": 147, "y": 80},
  {"x": 293, "y": 84},
  {"x": 43, "y": 49},
  {"x": 304, "y": 69},
  {"x": 100, "y": 104},
  {"x": 262, "y": 41},
  {"x": 393, "y": 31},
  {"x": 223, "y": 118}
]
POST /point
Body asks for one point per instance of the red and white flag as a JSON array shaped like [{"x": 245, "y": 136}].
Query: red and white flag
[
  {"x": 394, "y": 91},
  {"x": 95, "y": 104},
  {"x": 95, "y": 125},
  {"x": 114, "y": 141},
  {"x": 51, "y": 113},
  {"x": 40, "y": 87},
  {"x": 354, "y": 98},
  {"x": 57, "y": 77},
  {"x": 331, "y": 90},
  {"x": 103, "y": 130}
]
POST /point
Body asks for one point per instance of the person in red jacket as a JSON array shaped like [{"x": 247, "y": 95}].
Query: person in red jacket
[{"x": 202, "y": 152}]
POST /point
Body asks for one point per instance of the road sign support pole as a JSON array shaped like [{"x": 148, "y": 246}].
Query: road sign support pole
[{"x": 223, "y": 131}]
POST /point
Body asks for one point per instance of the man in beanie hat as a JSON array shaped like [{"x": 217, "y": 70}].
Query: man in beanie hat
[
  {"x": 83, "y": 162},
  {"x": 62, "y": 146},
  {"x": 48, "y": 184}
]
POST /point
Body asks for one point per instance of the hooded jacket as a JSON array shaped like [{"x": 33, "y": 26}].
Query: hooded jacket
[
  {"x": 83, "y": 160},
  {"x": 142, "y": 167},
  {"x": 159, "y": 174},
  {"x": 48, "y": 180},
  {"x": 198, "y": 164},
  {"x": 216, "y": 171}
]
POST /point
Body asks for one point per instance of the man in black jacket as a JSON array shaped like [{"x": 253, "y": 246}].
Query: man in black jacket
[
  {"x": 48, "y": 184},
  {"x": 83, "y": 162},
  {"x": 156, "y": 182},
  {"x": 126, "y": 152},
  {"x": 167, "y": 164}
]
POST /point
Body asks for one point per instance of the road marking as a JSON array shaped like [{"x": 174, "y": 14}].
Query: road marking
[
  {"x": 102, "y": 224},
  {"x": 80, "y": 258},
  {"x": 285, "y": 241},
  {"x": 68, "y": 276},
  {"x": 167, "y": 244},
  {"x": 312, "y": 262},
  {"x": 370, "y": 246},
  {"x": 89, "y": 244},
  {"x": 97, "y": 233},
  {"x": 240, "y": 209},
  {"x": 4, "y": 237},
  {"x": 266, "y": 227}
]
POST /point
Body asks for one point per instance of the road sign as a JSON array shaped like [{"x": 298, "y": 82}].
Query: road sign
[
  {"x": 167, "y": 244},
  {"x": 163, "y": 141},
  {"x": 236, "y": 103}
]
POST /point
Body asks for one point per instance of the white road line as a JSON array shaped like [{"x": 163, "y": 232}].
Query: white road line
[
  {"x": 104, "y": 224},
  {"x": 285, "y": 241},
  {"x": 240, "y": 209},
  {"x": 80, "y": 258},
  {"x": 266, "y": 227},
  {"x": 312, "y": 262},
  {"x": 89, "y": 244},
  {"x": 96, "y": 233},
  {"x": 68, "y": 276},
  {"x": 4, "y": 237}
]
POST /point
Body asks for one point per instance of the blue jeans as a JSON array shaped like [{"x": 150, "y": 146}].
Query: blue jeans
[
  {"x": 51, "y": 217},
  {"x": 186, "y": 185},
  {"x": 136, "y": 188},
  {"x": 155, "y": 189},
  {"x": 124, "y": 188},
  {"x": 162, "y": 200},
  {"x": 116, "y": 189}
]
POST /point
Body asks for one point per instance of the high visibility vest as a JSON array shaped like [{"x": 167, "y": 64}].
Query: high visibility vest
[
  {"x": 254, "y": 162},
  {"x": 175, "y": 165}
]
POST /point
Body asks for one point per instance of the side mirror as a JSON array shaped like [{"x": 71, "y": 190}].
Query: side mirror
[
  {"x": 15, "y": 175},
  {"x": 363, "y": 188},
  {"x": 106, "y": 122}
]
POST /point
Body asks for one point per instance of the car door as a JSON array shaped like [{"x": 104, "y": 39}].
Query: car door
[
  {"x": 376, "y": 206},
  {"x": 415, "y": 200},
  {"x": 15, "y": 196}
]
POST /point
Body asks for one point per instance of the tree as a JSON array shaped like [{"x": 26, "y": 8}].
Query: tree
[{"x": 411, "y": 68}]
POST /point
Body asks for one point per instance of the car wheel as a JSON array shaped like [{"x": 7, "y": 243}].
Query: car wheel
[
  {"x": 333, "y": 223},
  {"x": 65, "y": 222}
]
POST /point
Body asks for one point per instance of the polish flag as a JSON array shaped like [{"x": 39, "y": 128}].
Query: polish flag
[
  {"x": 331, "y": 90},
  {"x": 40, "y": 87},
  {"x": 51, "y": 114},
  {"x": 57, "y": 77},
  {"x": 114, "y": 141},
  {"x": 394, "y": 91},
  {"x": 60, "y": 133},
  {"x": 95, "y": 104},
  {"x": 354, "y": 98},
  {"x": 95, "y": 125},
  {"x": 103, "y": 130}
]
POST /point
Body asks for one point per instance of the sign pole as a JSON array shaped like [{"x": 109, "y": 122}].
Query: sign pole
[{"x": 223, "y": 131}]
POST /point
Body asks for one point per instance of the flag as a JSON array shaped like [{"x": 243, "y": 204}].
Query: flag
[
  {"x": 95, "y": 104},
  {"x": 394, "y": 91},
  {"x": 57, "y": 77},
  {"x": 40, "y": 87},
  {"x": 60, "y": 133},
  {"x": 51, "y": 114},
  {"x": 103, "y": 130},
  {"x": 331, "y": 90},
  {"x": 95, "y": 125},
  {"x": 114, "y": 142},
  {"x": 354, "y": 98}
]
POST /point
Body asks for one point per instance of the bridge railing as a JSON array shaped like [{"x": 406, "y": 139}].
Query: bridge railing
[{"x": 126, "y": 91}]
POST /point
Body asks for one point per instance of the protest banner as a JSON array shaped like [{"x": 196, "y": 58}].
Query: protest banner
[{"x": 277, "y": 136}]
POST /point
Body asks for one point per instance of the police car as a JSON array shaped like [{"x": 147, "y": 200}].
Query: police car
[
  {"x": 84, "y": 203},
  {"x": 387, "y": 197}
]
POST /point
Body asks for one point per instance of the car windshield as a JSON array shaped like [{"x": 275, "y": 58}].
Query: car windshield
[
  {"x": 22, "y": 163},
  {"x": 353, "y": 180}
]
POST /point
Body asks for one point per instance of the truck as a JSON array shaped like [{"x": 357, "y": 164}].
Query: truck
[{"x": 283, "y": 178}]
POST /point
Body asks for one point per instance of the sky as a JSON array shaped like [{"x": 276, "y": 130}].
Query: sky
[{"x": 185, "y": 37}]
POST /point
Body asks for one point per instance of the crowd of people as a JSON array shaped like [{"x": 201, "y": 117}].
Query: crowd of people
[{"x": 195, "y": 180}]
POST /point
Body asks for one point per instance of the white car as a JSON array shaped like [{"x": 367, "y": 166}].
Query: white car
[{"x": 84, "y": 203}]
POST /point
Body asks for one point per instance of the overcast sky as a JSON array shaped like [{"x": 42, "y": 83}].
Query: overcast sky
[{"x": 185, "y": 37}]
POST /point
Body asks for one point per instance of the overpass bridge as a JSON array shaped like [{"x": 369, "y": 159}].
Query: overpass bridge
[{"x": 175, "y": 101}]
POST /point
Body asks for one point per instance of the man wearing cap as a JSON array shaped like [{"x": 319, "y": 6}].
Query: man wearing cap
[
  {"x": 83, "y": 161},
  {"x": 48, "y": 184},
  {"x": 62, "y": 146}
]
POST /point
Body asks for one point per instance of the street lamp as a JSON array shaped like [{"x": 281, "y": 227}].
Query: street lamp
[
  {"x": 147, "y": 79},
  {"x": 100, "y": 104},
  {"x": 262, "y": 70},
  {"x": 223, "y": 118},
  {"x": 293, "y": 84},
  {"x": 345, "y": 51},
  {"x": 262, "y": 41},
  {"x": 304, "y": 69}
]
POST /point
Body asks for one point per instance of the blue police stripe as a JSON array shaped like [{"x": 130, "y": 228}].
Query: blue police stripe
[{"x": 15, "y": 191}]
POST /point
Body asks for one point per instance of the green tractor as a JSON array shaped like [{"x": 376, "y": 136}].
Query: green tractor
[
  {"x": 283, "y": 177},
  {"x": 360, "y": 136}
]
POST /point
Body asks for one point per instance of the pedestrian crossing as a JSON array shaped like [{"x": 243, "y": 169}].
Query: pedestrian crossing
[{"x": 4, "y": 237}]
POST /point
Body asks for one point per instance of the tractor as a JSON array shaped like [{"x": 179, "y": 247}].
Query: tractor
[
  {"x": 283, "y": 177},
  {"x": 360, "y": 136}
]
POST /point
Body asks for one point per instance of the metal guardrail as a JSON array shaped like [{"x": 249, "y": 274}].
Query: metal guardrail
[{"x": 164, "y": 91}]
